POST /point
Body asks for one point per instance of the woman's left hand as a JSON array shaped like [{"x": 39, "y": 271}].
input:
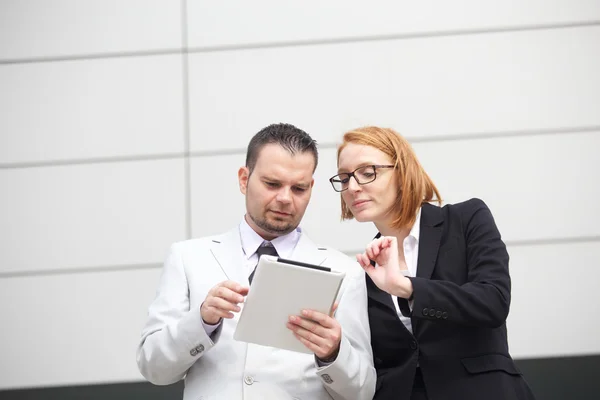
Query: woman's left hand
[{"x": 387, "y": 275}]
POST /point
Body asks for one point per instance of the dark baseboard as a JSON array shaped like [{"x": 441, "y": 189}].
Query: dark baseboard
[
  {"x": 573, "y": 378},
  {"x": 563, "y": 378}
]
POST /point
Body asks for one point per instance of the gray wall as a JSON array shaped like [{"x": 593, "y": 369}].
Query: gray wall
[{"x": 123, "y": 123}]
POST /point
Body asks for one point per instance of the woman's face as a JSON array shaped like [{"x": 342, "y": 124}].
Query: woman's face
[{"x": 370, "y": 202}]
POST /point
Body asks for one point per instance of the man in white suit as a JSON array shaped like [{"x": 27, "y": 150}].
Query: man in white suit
[{"x": 189, "y": 332}]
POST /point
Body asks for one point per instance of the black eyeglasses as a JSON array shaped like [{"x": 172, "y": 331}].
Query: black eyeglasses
[{"x": 362, "y": 175}]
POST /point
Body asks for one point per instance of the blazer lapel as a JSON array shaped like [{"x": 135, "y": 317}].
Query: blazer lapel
[
  {"x": 308, "y": 252},
  {"x": 374, "y": 293},
  {"x": 377, "y": 294},
  {"x": 429, "y": 244},
  {"x": 429, "y": 239},
  {"x": 228, "y": 252}
]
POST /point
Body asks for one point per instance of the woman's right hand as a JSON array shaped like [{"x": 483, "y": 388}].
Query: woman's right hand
[{"x": 387, "y": 275}]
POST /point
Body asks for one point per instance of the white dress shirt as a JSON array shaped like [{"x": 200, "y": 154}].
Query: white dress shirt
[
  {"x": 251, "y": 241},
  {"x": 411, "y": 256}
]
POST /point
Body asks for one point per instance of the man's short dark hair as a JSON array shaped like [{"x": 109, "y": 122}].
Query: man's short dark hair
[{"x": 293, "y": 139}]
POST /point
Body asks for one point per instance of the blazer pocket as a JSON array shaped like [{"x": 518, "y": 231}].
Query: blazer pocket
[{"x": 490, "y": 362}]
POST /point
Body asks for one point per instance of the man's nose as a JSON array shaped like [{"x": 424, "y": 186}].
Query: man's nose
[{"x": 284, "y": 195}]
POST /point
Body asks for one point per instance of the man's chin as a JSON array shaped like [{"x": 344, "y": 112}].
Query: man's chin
[{"x": 279, "y": 229}]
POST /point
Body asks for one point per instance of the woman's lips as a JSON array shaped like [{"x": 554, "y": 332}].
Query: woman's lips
[{"x": 359, "y": 203}]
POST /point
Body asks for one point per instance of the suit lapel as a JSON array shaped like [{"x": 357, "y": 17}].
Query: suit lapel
[
  {"x": 308, "y": 252},
  {"x": 429, "y": 243},
  {"x": 377, "y": 294},
  {"x": 429, "y": 239},
  {"x": 228, "y": 252}
]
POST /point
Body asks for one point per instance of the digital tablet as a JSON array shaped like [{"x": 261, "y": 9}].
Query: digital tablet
[{"x": 281, "y": 288}]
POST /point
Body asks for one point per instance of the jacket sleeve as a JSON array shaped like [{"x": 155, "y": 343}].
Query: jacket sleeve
[
  {"x": 352, "y": 375},
  {"x": 173, "y": 338},
  {"x": 484, "y": 300}
]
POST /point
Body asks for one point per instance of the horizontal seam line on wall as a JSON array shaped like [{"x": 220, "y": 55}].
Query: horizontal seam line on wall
[
  {"x": 79, "y": 270},
  {"x": 544, "y": 242},
  {"x": 504, "y": 134},
  {"x": 533, "y": 242},
  {"x": 93, "y": 56},
  {"x": 49, "y": 387},
  {"x": 101, "y": 386},
  {"x": 398, "y": 36},
  {"x": 92, "y": 160},
  {"x": 328, "y": 145},
  {"x": 135, "y": 267},
  {"x": 307, "y": 42},
  {"x": 438, "y": 138}
]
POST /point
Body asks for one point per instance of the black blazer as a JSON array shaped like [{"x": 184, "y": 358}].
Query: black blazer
[{"x": 461, "y": 301}]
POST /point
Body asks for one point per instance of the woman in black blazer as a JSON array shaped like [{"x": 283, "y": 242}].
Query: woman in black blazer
[{"x": 438, "y": 286}]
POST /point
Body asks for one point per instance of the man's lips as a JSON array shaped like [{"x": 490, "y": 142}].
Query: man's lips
[{"x": 280, "y": 213}]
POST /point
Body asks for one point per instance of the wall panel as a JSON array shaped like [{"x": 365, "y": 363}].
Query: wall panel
[
  {"x": 424, "y": 87},
  {"x": 239, "y": 23},
  {"x": 73, "y": 329},
  {"x": 88, "y": 216},
  {"x": 94, "y": 108},
  {"x": 63, "y": 28}
]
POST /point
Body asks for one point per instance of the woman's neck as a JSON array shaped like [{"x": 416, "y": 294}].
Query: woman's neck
[{"x": 386, "y": 230}]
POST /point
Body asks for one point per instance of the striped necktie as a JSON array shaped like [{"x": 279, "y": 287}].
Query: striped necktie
[{"x": 265, "y": 248}]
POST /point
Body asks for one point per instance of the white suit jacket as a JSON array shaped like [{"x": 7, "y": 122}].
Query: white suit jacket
[{"x": 175, "y": 345}]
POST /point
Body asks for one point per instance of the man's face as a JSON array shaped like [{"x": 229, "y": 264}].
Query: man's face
[{"x": 278, "y": 190}]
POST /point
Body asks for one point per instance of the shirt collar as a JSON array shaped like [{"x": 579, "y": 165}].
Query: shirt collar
[
  {"x": 416, "y": 228},
  {"x": 283, "y": 244}
]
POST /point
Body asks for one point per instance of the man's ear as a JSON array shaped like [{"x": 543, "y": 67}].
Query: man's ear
[{"x": 243, "y": 176}]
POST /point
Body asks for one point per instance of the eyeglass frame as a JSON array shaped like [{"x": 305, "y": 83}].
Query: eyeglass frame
[{"x": 351, "y": 175}]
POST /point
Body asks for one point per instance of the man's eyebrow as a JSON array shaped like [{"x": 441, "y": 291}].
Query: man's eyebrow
[{"x": 305, "y": 185}]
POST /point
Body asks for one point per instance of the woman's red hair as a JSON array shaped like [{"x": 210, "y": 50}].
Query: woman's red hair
[{"x": 414, "y": 188}]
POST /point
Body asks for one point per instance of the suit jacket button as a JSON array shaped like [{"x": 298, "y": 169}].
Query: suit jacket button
[
  {"x": 425, "y": 311},
  {"x": 431, "y": 312},
  {"x": 445, "y": 315},
  {"x": 326, "y": 378},
  {"x": 413, "y": 345},
  {"x": 200, "y": 348},
  {"x": 438, "y": 314},
  {"x": 193, "y": 352}
]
